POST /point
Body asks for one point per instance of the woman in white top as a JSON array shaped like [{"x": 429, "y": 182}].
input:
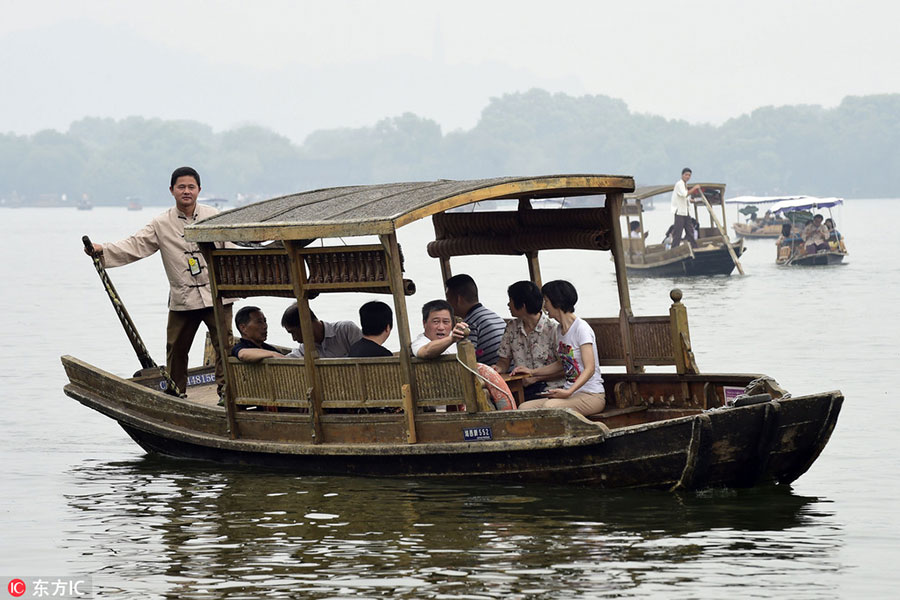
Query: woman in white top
[{"x": 577, "y": 357}]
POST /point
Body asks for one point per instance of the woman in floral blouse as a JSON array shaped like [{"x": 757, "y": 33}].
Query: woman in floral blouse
[{"x": 530, "y": 339}]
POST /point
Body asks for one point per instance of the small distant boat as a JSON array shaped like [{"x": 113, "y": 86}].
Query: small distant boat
[
  {"x": 798, "y": 212},
  {"x": 712, "y": 255},
  {"x": 134, "y": 204},
  {"x": 84, "y": 204},
  {"x": 767, "y": 226}
]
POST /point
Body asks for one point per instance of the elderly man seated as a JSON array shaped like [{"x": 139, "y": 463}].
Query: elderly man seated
[
  {"x": 440, "y": 333},
  {"x": 252, "y": 326}
]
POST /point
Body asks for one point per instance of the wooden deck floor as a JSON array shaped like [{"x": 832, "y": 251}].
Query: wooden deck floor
[{"x": 203, "y": 394}]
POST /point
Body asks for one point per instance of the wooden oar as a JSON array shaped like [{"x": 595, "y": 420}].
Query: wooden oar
[
  {"x": 724, "y": 233},
  {"x": 149, "y": 365}
]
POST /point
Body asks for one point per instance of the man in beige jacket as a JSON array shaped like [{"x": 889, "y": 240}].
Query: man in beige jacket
[{"x": 190, "y": 297}]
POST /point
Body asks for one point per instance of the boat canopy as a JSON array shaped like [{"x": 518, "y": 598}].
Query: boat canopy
[
  {"x": 760, "y": 199},
  {"x": 384, "y": 208},
  {"x": 804, "y": 203}
]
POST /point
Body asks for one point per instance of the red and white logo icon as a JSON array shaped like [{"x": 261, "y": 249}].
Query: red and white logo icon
[{"x": 16, "y": 587}]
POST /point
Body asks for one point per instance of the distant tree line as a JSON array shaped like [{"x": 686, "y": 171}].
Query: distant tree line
[{"x": 852, "y": 150}]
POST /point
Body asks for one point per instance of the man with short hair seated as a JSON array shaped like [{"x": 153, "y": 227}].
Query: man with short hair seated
[
  {"x": 440, "y": 333},
  {"x": 252, "y": 326},
  {"x": 333, "y": 340},
  {"x": 377, "y": 320},
  {"x": 486, "y": 326},
  {"x": 815, "y": 236}
]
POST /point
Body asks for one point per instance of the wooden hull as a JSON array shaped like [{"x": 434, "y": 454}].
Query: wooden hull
[
  {"x": 773, "y": 441},
  {"x": 758, "y": 231},
  {"x": 815, "y": 260},
  {"x": 681, "y": 263}
]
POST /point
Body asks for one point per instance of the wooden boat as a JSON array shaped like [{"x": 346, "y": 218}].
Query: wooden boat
[
  {"x": 674, "y": 430},
  {"x": 791, "y": 251},
  {"x": 767, "y": 226},
  {"x": 710, "y": 257}
]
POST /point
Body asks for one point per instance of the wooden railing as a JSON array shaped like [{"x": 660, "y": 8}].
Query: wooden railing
[{"x": 347, "y": 383}]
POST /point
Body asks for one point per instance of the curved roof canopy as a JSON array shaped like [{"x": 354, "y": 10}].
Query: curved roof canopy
[
  {"x": 383, "y": 208},
  {"x": 760, "y": 199},
  {"x": 804, "y": 203}
]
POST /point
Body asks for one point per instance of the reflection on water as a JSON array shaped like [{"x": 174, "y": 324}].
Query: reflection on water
[{"x": 173, "y": 528}]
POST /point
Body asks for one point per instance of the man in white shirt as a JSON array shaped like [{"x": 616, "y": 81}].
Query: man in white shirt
[
  {"x": 681, "y": 203},
  {"x": 440, "y": 332}
]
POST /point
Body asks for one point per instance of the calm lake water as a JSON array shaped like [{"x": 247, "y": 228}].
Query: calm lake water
[{"x": 80, "y": 498}]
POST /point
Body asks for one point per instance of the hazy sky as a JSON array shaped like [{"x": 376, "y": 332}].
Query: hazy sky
[{"x": 300, "y": 66}]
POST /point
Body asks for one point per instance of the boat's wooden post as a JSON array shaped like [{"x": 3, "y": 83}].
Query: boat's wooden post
[
  {"x": 446, "y": 273},
  {"x": 681, "y": 337},
  {"x": 534, "y": 267},
  {"x": 395, "y": 272},
  {"x": 614, "y": 203},
  {"x": 722, "y": 230},
  {"x": 409, "y": 409},
  {"x": 475, "y": 400},
  {"x": 298, "y": 280},
  {"x": 222, "y": 327}
]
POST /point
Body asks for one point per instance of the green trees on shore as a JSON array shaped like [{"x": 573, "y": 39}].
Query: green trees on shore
[{"x": 851, "y": 150}]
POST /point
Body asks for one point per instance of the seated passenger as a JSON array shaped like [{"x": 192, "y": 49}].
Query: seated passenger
[
  {"x": 530, "y": 340},
  {"x": 833, "y": 234},
  {"x": 377, "y": 320},
  {"x": 440, "y": 333},
  {"x": 253, "y": 329},
  {"x": 667, "y": 241},
  {"x": 486, "y": 326},
  {"x": 333, "y": 340},
  {"x": 635, "y": 232},
  {"x": 577, "y": 357},
  {"x": 815, "y": 235}
]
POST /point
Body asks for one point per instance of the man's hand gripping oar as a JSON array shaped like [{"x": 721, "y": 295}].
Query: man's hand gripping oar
[{"x": 149, "y": 366}]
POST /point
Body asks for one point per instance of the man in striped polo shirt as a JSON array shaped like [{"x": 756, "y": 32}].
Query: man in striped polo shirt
[{"x": 486, "y": 326}]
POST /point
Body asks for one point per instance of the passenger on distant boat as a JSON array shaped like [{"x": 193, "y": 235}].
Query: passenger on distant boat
[
  {"x": 486, "y": 326},
  {"x": 253, "y": 328},
  {"x": 377, "y": 320},
  {"x": 834, "y": 235},
  {"x": 635, "y": 232},
  {"x": 333, "y": 340},
  {"x": 190, "y": 296},
  {"x": 530, "y": 339},
  {"x": 440, "y": 333},
  {"x": 815, "y": 235},
  {"x": 577, "y": 356},
  {"x": 681, "y": 200}
]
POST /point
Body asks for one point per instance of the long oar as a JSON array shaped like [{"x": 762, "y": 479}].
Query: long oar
[
  {"x": 131, "y": 331},
  {"x": 724, "y": 233}
]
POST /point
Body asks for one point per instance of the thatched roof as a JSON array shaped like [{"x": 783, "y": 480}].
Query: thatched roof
[{"x": 381, "y": 209}]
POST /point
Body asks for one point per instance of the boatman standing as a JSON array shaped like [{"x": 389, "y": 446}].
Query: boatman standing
[
  {"x": 681, "y": 208},
  {"x": 190, "y": 297}
]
